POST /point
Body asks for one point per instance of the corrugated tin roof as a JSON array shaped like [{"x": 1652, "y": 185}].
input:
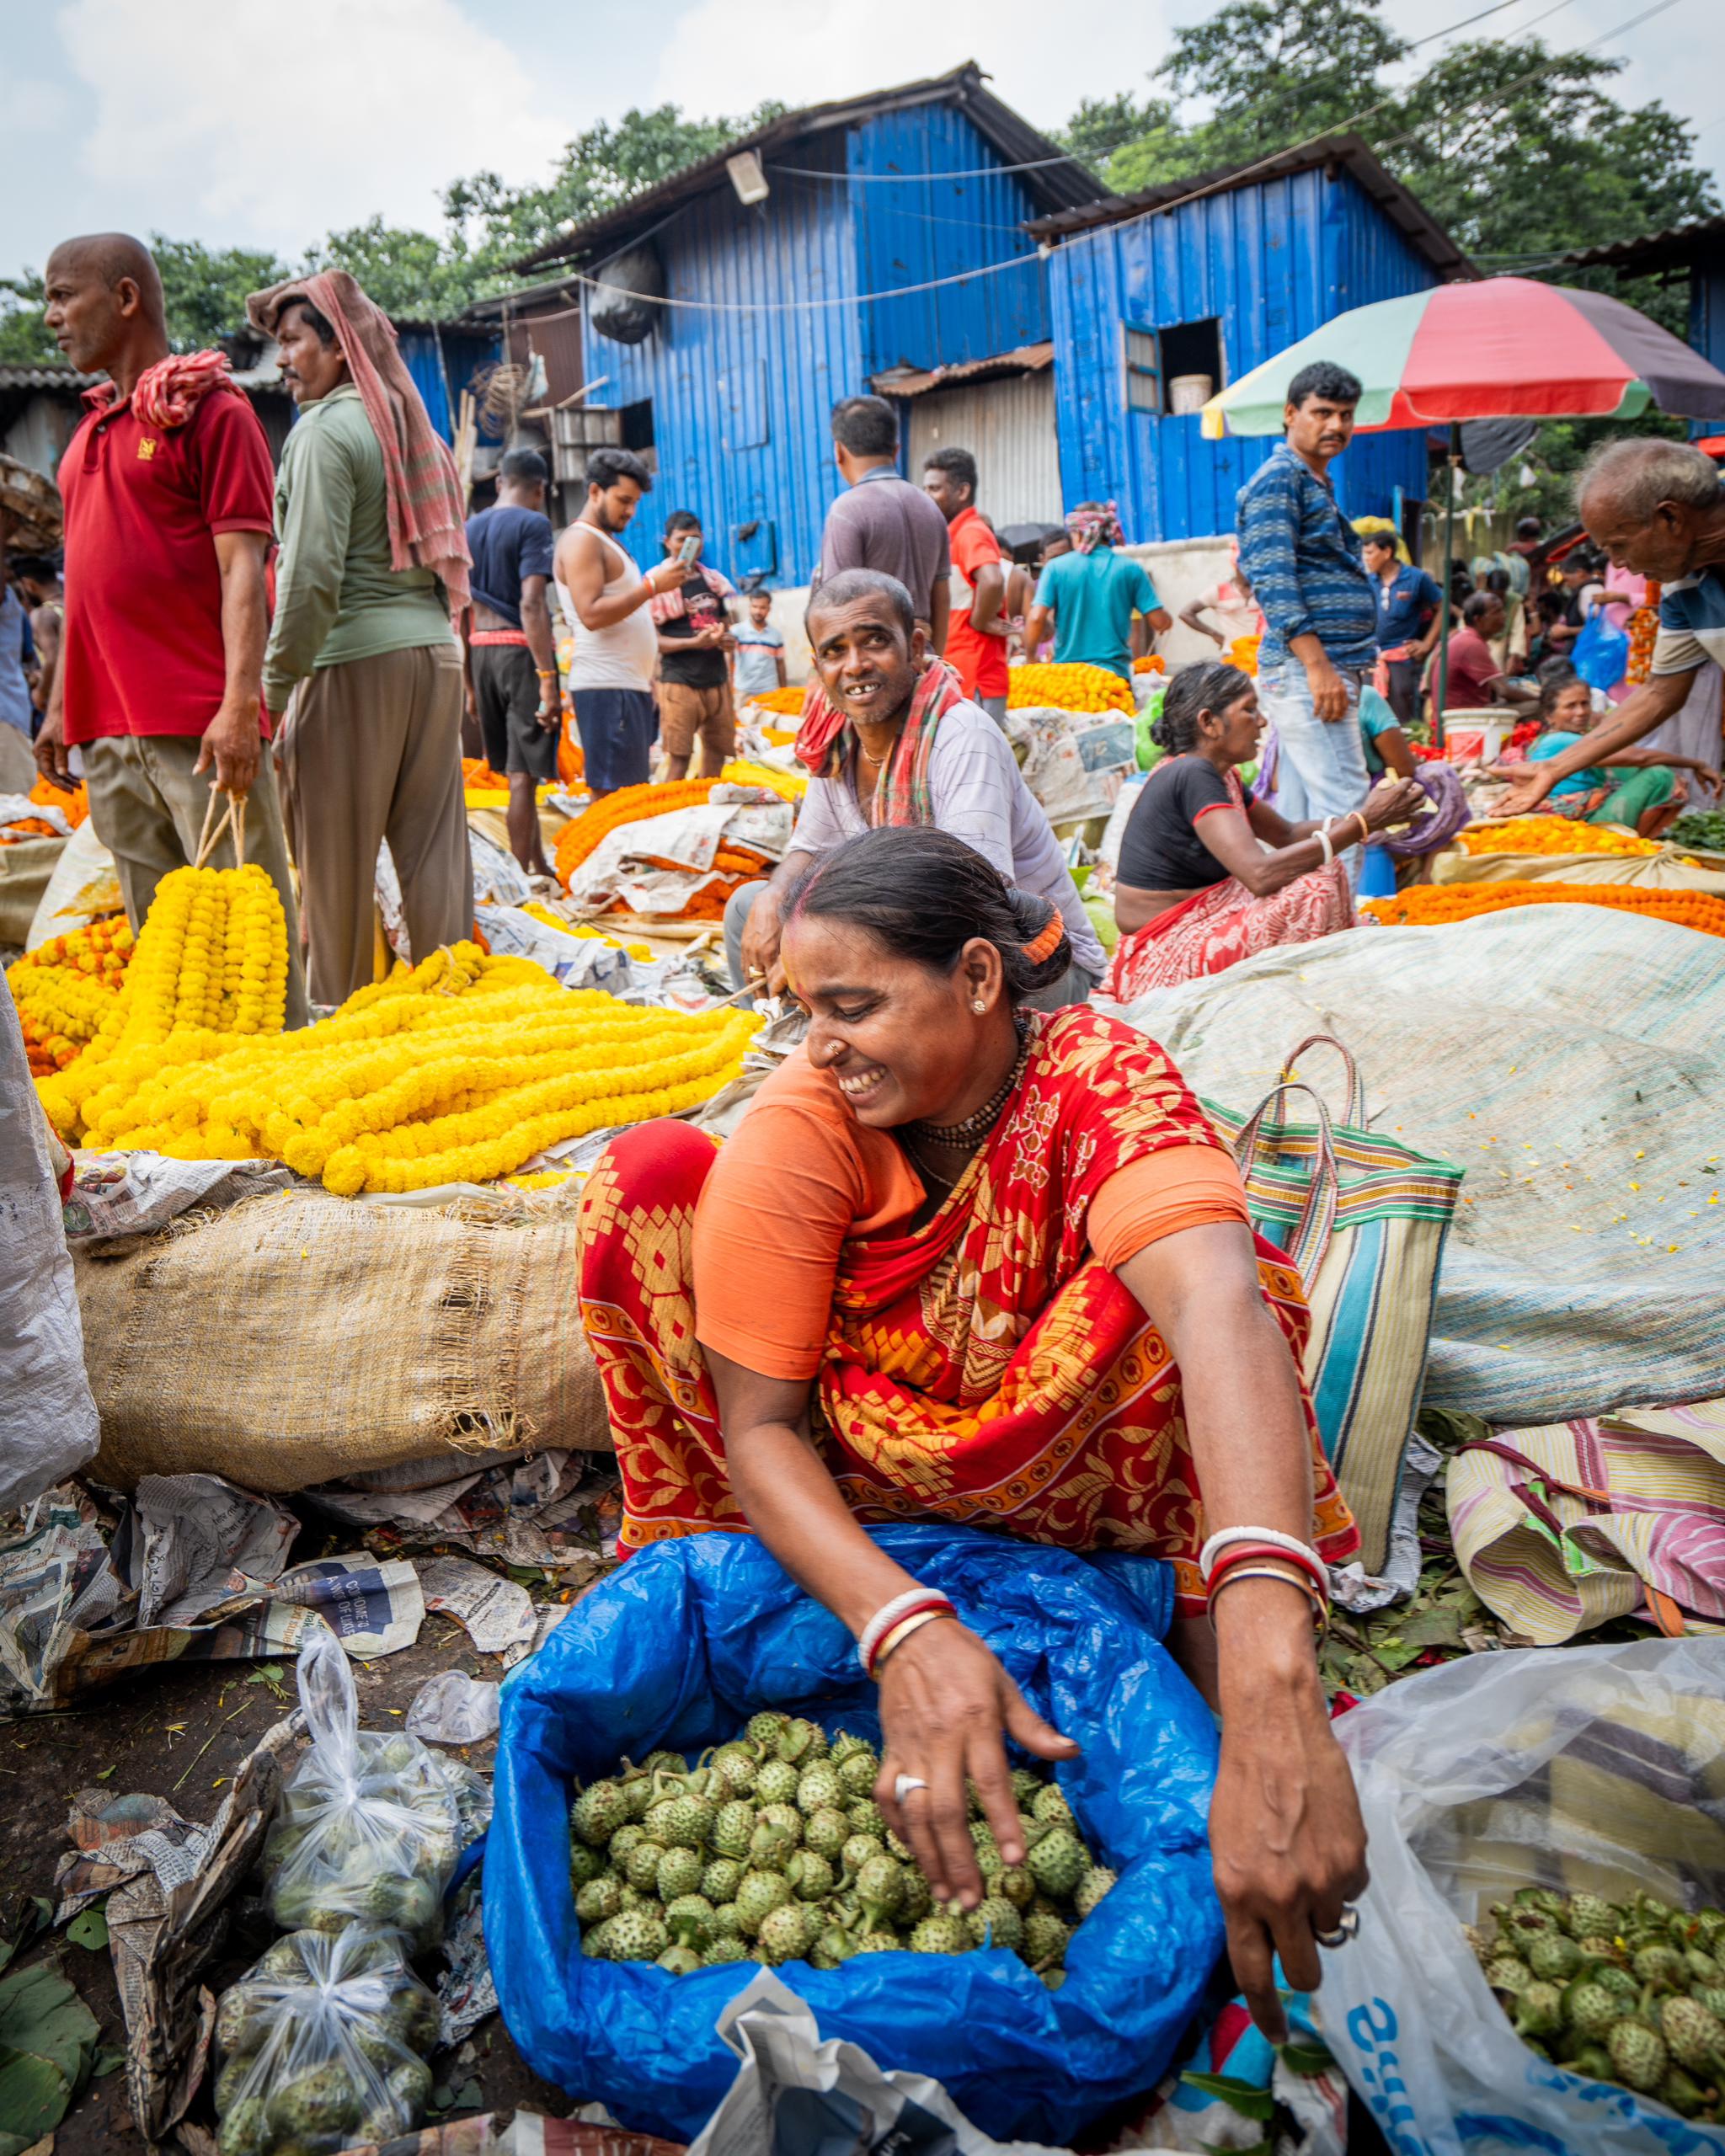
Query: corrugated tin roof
[
  {"x": 1060, "y": 185},
  {"x": 51, "y": 374},
  {"x": 915, "y": 382},
  {"x": 1673, "y": 248},
  {"x": 1404, "y": 210}
]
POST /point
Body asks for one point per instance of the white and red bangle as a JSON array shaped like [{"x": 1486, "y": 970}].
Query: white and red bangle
[
  {"x": 1309, "y": 1568},
  {"x": 1272, "y": 1537},
  {"x": 902, "y": 1630},
  {"x": 911, "y": 1603}
]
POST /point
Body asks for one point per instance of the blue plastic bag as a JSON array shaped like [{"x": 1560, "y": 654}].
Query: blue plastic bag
[
  {"x": 688, "y": 1639},
  {"x": 1601, "y": 654}
]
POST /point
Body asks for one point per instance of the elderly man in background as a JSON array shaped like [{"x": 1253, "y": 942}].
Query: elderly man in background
[
  {"x": 374, "y": 562},
  {"x": 167, "y": 485},
  {"x": 1656, "y": 508}
]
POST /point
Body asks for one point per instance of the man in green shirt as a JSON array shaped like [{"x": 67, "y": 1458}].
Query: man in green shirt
[
  {"x": 372, "y": 748},
  {"x": 1092, "y": 600}
]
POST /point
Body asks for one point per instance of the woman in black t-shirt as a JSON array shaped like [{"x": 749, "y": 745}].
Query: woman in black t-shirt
[{"x": 1207, "y": 877}]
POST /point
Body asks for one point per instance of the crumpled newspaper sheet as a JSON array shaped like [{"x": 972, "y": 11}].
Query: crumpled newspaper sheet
[
  {"x": 611, "y": 874},
  {"x": 554, "y": 1509},
  {"x": 19, "y": 809},
  {"x": 194, "y": 1570},
  {"x": 115, "y": 1195}
]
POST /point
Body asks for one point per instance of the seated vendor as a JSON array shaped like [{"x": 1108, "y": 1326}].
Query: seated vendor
[
  {"x": 966, "y": 1262},
  {"x": 891, "y": 738},
  {"x": 1475, "y": 679},
  {"x": 1196, "y": 890},
  {"x": 1645, "y": 798}
]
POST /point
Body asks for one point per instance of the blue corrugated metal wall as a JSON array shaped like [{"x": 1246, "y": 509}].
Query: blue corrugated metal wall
[
  {"x": 463, "y": 353},
  {"x": 909, "y": 233},
  {"x": 1273, "y": 261},
  {"x": 741, "y": 401}
]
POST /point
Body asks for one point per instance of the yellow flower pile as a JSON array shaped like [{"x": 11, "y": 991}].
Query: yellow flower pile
[
  {"x": 1036, "y": 685},
  {"x": 211, "y": 962},
  {"x": 790, "y": 785},
  {"x": 1549, "y": 833},
  {"x": 65, "y": 988},
  {"x": 457, "y": 1071}
]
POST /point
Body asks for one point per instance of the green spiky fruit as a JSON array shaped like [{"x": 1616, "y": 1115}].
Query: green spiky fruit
[
  {"x": 1587, "y": 1915},
  {"x": 688, "y": 1823},
  {"x": 918, "y": 1898},
  {"x": 733, "y": 1824},
  {"x": 596, "y": 1942},
  {"x": 763, "y": 1729},
  {"x": 641, "y": 1865},
  {"x": 1049, "y": 1805},
  {"x": 858, "y": 1850},
  {"x": 786, "y": 1934},
  {"x": 623, "y": 1840},
  {"x": 759, "y": 1894},
  {"x": 1025, "y": 1784},
  {"x": 1639, "y": 2057},
  {"x": 1045, "y": 1938},
  {"x": 995, "y": 1921},
  {"x": 1507, "y": 1972},
  {"x": 1712, "y": 1997},
  {"x": 1616, "y": 1981},
  {"x": 819, "y": 1786},
  {"x": 1093, "y": 1887},
  {"x": 734, "y": 1768},
  {"x": 942, "y": 1935},
  {"x": 679, "y": 1960},
  {"x": 845, "y": 1745},
  {"x": 771, "y": 1846},
  {"x": 642, "y": 1904},
  {"x": 638, "y": 1796},
  {"x": 785, "y": 1817},
  {"x": 1593, "y": 2060},
  {"x": 597, "y": 1813},
  {"x": 1703, "y": 1968},
  {"x": 777, "y": 1782},
  {"x": 858, "y": 1772},
  {"x": 585, "y": 1864},
  {"x": 982, "y": 1836},
  {"x": 1553, "y": 1958},
  {"x": 1695, "y": 2037},
  {"x": 720, "y": 1879},
  {"x": 894, "y": 1847},
  {"x": 1018, "y": 1886},
  {"x": 801, "y": 1742},
  {"x": 1597, "y": 1947},
  {"x": 1683, "y": 2094},
  {"x": 664, "y": 1762},
  {"x": 635, "y": 1936},
  {"x": 1056, "y": 1862},
  {"x": 680, "y": 1871},
  {"x": 1591, "y": 2011},
  {"x": 826, "y": 1832},
  {"x": 1658, "y": 1965},
  {"x": 810, "y": 1877},
  {"x": 879, "y": 1942},
  {"x": 832, "y": 1950},
  {"x": 1538, "y": 2009},
  {"x": 726, "y": 1923},
  {"x": 1538, "y": 1898},
  {"x": 866, "y": 1818},
  {"x": 689, "y": 1920},
  {"x": 600, "y": 1898},
  {"x": 1052, "y": 1978},
  {"x": 879, "y": 1887},
  {"x": 725, "y": 1949}
]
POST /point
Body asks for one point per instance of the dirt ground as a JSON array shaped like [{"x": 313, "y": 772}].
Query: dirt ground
[{"x": 180, "y": 1733}]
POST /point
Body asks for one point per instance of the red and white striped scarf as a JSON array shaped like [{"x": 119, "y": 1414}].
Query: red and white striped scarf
[{"x": 166, "y": 394}]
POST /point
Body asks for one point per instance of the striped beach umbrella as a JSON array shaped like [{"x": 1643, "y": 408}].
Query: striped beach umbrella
[{"x": 1508, "y": 348}]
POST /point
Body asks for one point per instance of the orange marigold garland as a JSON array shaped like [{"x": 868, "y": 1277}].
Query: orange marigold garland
[
  {"x": 1550, "y": 834},
  {"x": 1427, "y": 905},
  {"x": 66, "y": 987}
]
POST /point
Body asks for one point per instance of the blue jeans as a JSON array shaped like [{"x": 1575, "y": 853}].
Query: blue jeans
[{"x": 1324, "y": 759}]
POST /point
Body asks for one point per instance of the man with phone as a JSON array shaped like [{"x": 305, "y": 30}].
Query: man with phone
[{"x": 694, "y": 642}]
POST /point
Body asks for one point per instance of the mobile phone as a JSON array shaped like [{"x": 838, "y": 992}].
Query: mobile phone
[{"x": 687, "y": 551}]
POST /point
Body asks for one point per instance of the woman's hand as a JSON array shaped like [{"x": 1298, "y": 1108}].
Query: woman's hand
[
  {"x": 1286, "y": 1837},
  {"x": 943, "y": 1702},
  {"x": 1399, "y": 803}
]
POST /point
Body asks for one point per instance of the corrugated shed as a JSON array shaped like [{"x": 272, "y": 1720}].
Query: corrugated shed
[
  {"x": 443, "y": 363},
  {"x": 913, "y": 232},
  {"x": 1008, "y": 426},
  {"x": 741, "y": 401},
  {"x": 1269, "y": 261}
]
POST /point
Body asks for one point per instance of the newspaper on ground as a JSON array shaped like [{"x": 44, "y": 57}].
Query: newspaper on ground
[
  {"x": 617, "y": 873},
  {"x": 556, "y": 1509},
  {"x": 115, "y": 1195},
  {"x": 205, "y": 1560},
  {"x": 498, "y": 1614},
  {"x": 839, "y": 2098}
]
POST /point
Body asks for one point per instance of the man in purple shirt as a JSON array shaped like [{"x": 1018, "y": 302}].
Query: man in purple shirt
[{"x": 884, "y": 522}]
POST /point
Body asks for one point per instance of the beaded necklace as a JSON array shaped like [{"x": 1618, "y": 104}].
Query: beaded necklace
[{"x": 975, "y": 1128}]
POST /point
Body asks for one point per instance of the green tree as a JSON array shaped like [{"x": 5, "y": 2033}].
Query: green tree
[
  {"x": 24, "y": 335},
  {"x": 412, "y": 275},
  {"x": 204, "y": 289}
]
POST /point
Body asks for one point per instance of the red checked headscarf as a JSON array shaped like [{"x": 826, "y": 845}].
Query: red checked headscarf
[
  {"x": 166, "y": 394},
  {"x": 427, "y": 513}
]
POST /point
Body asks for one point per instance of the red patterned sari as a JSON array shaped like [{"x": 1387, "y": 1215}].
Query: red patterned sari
[{"x": 983, "y": 1369}]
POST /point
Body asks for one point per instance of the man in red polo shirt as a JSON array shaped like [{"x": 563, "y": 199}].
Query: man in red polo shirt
[
  {"x": 976, "y": 642},
  {"x": 168, "y": 488}
]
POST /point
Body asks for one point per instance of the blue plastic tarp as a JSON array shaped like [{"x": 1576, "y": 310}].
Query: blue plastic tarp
[{"x": 686, "y": 1641}]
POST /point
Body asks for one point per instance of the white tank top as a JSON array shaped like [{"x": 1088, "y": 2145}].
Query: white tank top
[{"x": 623, "y": 656}]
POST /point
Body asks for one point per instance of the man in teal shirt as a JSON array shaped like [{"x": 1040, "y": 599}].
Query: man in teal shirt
[
  {"x": 1088, "y": 599},
  {"x": 362, "y": 659}
]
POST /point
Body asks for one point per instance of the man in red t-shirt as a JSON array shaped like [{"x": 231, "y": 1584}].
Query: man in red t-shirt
[
  {"x": 168, "y": 487},
  {"x": 1475, "y": 680},
  {"x": 976, "y": 642}
]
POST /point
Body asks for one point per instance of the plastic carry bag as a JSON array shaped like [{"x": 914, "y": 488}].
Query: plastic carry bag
[
  {"x": 1601, "y": 654},
  {"x": 1595, "y": 1769},
  {"x": 368, "y": 1830},
  {"x": 686, "y": 1641},
  {"x": 322, "y": 2046}
]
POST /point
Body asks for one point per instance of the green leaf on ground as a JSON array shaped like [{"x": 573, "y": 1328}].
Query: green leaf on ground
[
  {"x": 88, "y": 1929},
  {"x": 1251, "y": 2101},
  {"x": 109, "y": 2060},
  {"x": 47, "y": 2039}
]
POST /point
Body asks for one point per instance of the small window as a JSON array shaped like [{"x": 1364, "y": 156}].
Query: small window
[
  {"x": 1143, "y": 378},
  {"x": 637, "y": 432},
  {"x": 1191, "y": 349}
]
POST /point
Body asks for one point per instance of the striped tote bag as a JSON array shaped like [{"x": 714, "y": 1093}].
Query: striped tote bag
[{"x": 1363, "y": 1219}]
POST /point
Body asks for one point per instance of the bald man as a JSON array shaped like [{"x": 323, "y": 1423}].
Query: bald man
[
  {"x": 1656, "y": 507},
  {"x": 169, "y": 490}
]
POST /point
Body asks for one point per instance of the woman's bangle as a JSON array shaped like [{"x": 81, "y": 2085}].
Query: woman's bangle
[
  {"x": 1358, "y": 817},
  {"x": 1225, "y": 1538},
  {"x": 1311, "y": 1568},
  {"x": 1322, "y": 835},
  {"x": 1289, "y": 1577},
  {"x": 900, "y": 1632},
  {"x": 911, "y": 1603}
]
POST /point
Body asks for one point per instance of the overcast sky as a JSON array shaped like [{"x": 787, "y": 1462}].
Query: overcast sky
[{"x": 265, "y": 126}]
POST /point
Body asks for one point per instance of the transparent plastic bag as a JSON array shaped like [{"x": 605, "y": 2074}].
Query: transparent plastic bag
[
  {"x": 368, "y": 1830},
  {"x": 321, "y": 2047},
  {"x": 1582, "y": 1769}
]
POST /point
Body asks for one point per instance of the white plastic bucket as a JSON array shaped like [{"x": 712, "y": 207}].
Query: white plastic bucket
[
  {"x": 1475, "y": 736},
  {"x": 1190, "y": 392}
]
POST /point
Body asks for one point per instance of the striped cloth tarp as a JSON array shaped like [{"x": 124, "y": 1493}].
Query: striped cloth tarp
[{"x": 1575, "y": 1067}]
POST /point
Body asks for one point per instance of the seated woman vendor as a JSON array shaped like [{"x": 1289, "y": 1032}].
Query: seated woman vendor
[
  {"x": 1196, "y": 890},
  {"x": 1638, "y": 789},
  {"x": 966, "y": 1261}
]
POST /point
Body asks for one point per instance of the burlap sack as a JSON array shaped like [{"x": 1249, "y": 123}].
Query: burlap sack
[{"x": 299, "y": 1337}]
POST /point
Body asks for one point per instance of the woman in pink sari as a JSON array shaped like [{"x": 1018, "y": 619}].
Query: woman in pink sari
[{"x": 1207, "y": 877}]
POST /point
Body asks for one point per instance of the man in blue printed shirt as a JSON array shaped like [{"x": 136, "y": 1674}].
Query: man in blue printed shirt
[
  {"x": 1304, "y": 559},
  {"x": 1656, "y": 508}
]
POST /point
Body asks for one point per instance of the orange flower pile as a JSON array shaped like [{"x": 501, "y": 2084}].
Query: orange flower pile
[
  {"x": 1148, "y": 662},
  {"x": 788, "y": 701},
  {"x": 1549, "y": 833},
  {"x": 1039, "y": 684},
  {"x": 66, "y": 987},
  {"x": 571, "y": 761},
  {"x": 629, "y": 804},
  {"x": 1428, "y": 906},
  {"x": 27, "y": 827},
  {"x": 478, "y": 777},
  {"x": 72, "y": 801}
]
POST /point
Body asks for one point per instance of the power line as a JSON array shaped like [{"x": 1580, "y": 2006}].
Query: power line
[{"x": 917, "y": 179}]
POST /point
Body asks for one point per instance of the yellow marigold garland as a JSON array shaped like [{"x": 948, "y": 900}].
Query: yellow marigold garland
[
  {"x": 65, "y": 988},
  {"x": 1550, "y": 834},
  {"x": 1038, "y": 684}
]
